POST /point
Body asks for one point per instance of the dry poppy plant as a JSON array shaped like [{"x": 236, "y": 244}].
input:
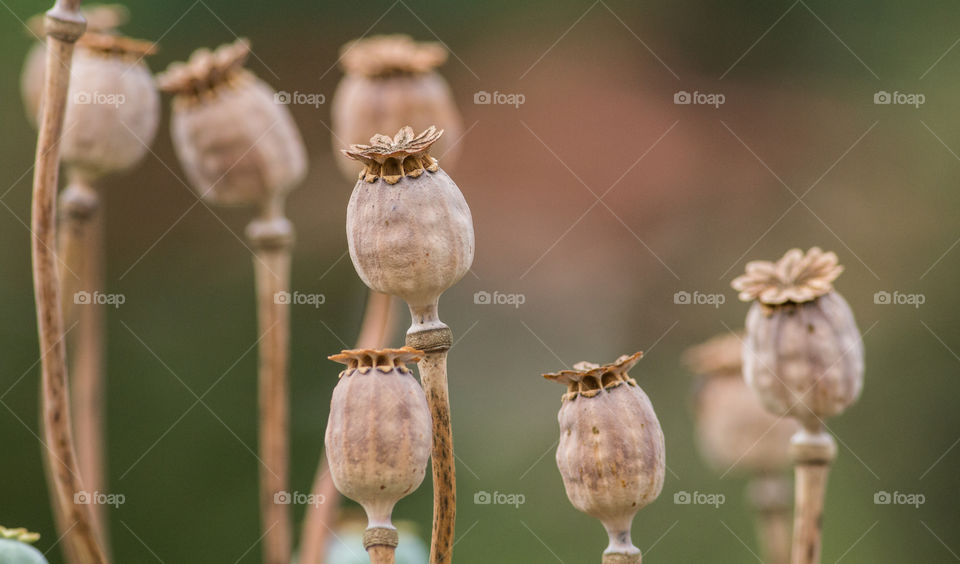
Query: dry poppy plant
[
  {"x": 410, "y": 236},
  {"x": 63, "y": 26},
  {"x": 111, "y": 118},
  {"x": 239, "y": 147},
  {"x": 803, "y": 356},
  {"x": 390, "y": 82}
]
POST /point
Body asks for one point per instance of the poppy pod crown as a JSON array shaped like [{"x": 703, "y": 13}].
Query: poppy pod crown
[
  {"x": 206, "y": 70},
  {"x": 116, "y": 45},
  {"x": 384, "y": 360},
  {"x": 392, "y": 159},
  {"x": 588, "y": 379},
  {"x": 386, "y": 55},
  {"x": 797, "y": 278}
]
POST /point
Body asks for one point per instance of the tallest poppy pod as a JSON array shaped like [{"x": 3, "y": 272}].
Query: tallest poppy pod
[
  {"x": 803, "y": 356},
  {"x": 409, "y": 228}
]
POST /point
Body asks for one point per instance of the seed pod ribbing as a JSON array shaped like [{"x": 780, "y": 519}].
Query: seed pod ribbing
[
  {"x": 611, "y": 453},
  {"x": 378, "y": 436},
  {"x": 409, "y": 228},
  {"x": 237, "y": 145}
]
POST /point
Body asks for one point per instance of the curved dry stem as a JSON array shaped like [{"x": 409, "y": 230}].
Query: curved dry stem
[
  {"x": 80, "y": 248},
  {"x": 376, "y": 332},
  {"x": 272, "y": 239},
  {"x": 64, "y": 24}
]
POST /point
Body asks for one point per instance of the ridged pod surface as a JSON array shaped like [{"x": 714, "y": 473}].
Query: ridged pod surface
[
  {"x": 611, "y": 453},
  {"x": 235, "y": 142},
  {"x": 378, "y": 436},
  {"x": 391, "y": 82},
  {"x": 804, "y": 360},
  {"x": 113, "y": 107},
  {"x": 409, "y": 229}
]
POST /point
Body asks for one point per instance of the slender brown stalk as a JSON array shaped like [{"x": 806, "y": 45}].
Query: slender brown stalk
[
  {"x": 433, "y": 375},
  {"x": 272, "y": 238},
  {"x": 80, "y": 249},
  {"x": 376, "y": 332},
  {"x": 64, "y": 25},
  {"x": 380, "y": 554},
  {"x": 769, "y": 495},
  {"x": 813, "y": 451},
  {"x": 434, "y": 338}
]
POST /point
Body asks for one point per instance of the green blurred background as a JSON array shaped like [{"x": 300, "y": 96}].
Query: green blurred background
[{"x": 694, "y": 192}]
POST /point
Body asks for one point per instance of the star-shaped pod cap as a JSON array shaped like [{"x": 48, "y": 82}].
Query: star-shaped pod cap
[
  {"x": 384, "y": 360},
  {"x": 385, "y": 55},
  {"x": 205, "y": 69},
  {"x": 588, "y": 379},
  {"x": 405, "y": 154},
  {"x": 798, "y": 277}
]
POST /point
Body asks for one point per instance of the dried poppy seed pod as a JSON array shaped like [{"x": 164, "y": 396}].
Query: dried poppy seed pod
[
  {"x": 391, "y": 82},
  {"x": 734, "y": 431},
  {"x": 236, "y": 143},
  {"x": 113, "y": 107},
  {"x": 103, "y": 18},
  {"x": 803, "y": 354},
  {"x": 378, "y": 436},
  {"x": 409, "y": 228},
  {"x": 611, "y": 453}
]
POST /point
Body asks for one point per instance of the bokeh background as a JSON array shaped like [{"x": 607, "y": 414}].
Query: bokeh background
[{"x": 597, "y": 200}]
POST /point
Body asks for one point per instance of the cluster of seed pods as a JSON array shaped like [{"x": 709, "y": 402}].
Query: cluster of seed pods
[{"x": 410, "y": 235}]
